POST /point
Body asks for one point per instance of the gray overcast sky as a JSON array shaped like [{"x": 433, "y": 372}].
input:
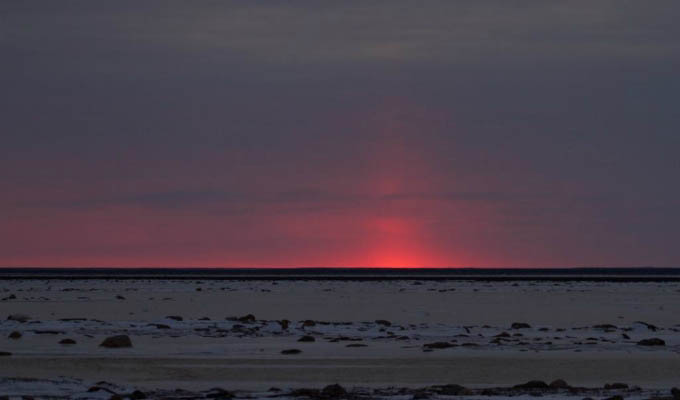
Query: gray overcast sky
[{"x": 452, "y": 133}]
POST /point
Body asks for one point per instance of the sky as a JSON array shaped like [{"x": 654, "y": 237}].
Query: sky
[{"x": 355, "y": 133}]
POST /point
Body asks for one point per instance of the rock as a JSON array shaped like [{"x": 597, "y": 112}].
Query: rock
[
  {"x": 219, "y": 393},
  {"x": 97, "y": 388},
  {"x": 503, "y": 334},
  {"x": 356, "y": 345},
  {"x": 5, "y": 353},
  {"x": 651, "y": 342},
  {"x": 438, "y": 345},
  {"x": 304, "y": 392},
  {"x": 307, "y": 338},
  {"x": 119, "y": 297},
  {"x": 651, "y": 327},
  {"x": 137, "y": 395},
  {"x": 160, "y": 326},
  {"x": 116, "y": 397},
  {"x": 676, "y": 393},
  {"x": 532, "y": 385},
  {"x": 334, "y": 392},
  {"x": 15, "y": 335},
  {"x": 118, "y": 341},
  {"x": 605, "y": 326},
  {"x": 308, "y": 322},
  {"x": 284, "y": 324},
  {"x": 291, "y": 351},
  {"x": 67, "y": 341},
  {"x": 616, "y": 385},
  {"x": 175, "y": 317},
  {"x": 559, "y": 384},
  {"x": 616, "y": 397},
  {"x": 520, "y": 325},
  {"x": 383, "y": 322},
  {"x": 247, "y": 319},
  {"x": 451, "y": 390},
  {"x": 19, "y": 318}
]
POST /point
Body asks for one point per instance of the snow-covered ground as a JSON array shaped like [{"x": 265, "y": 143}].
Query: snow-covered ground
[{"x": 198, "y": 334}]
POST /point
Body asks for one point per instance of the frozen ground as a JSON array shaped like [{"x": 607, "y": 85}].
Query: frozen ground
[{"x": 196, "y": 335}]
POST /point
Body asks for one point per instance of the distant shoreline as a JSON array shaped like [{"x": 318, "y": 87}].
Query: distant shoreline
[{"x": 643, "y": 274}]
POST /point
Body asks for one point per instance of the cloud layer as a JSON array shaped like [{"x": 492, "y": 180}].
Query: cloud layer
[{"x": 356, "y": 133}]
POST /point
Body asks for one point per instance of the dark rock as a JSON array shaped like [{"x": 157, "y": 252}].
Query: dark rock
[
  {"x": 307, "y": 338},
  {"x": 438, "y": 345},
  {"x": 651, "y": 342},
  {"x": 175, "y": 317},
  {"x": 451, "y": 390},
  {"x": 219, "y": 393},
  {"x": 67, "y": 341},
  {"x": 605, "y": 326},
  {"x": 651, "y": 327},
  {"x": 115, "y": 342},
  {"x": 357, "y": 345},
  {"x": 616, "y": 397},
  {"x": 96, "y": 388},
  {"x": 520, "y": 325},
  {"x": 503, "y": 334},
  {"x": 15, "y": 335},
  {"x": 284, "y": 324},
  {"x": 138, "y": 395},
  {"x": 676, "y": 393},
  {"x": 18, "y": 317},
  {"x": 247, "y": 319},
  {"x": 291, "y": 351},
  {"x": 616, "y": 385},
  {"x": 5, "y": 353},
  {"x": 160, "y": 326},
  {"x": 559, "y": 384},
  {"x": 532, "y": 385},
  {"x": 308, "y": 322},
  {"x": 383, "y": 322},
  {"x": 334, "y": 392},
  {"x": 119, "y": 297},
  {"x": 304, "y": 392}
]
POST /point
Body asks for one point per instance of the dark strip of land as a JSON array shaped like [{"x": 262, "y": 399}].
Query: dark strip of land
[{"x": 643, "y": 274}]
